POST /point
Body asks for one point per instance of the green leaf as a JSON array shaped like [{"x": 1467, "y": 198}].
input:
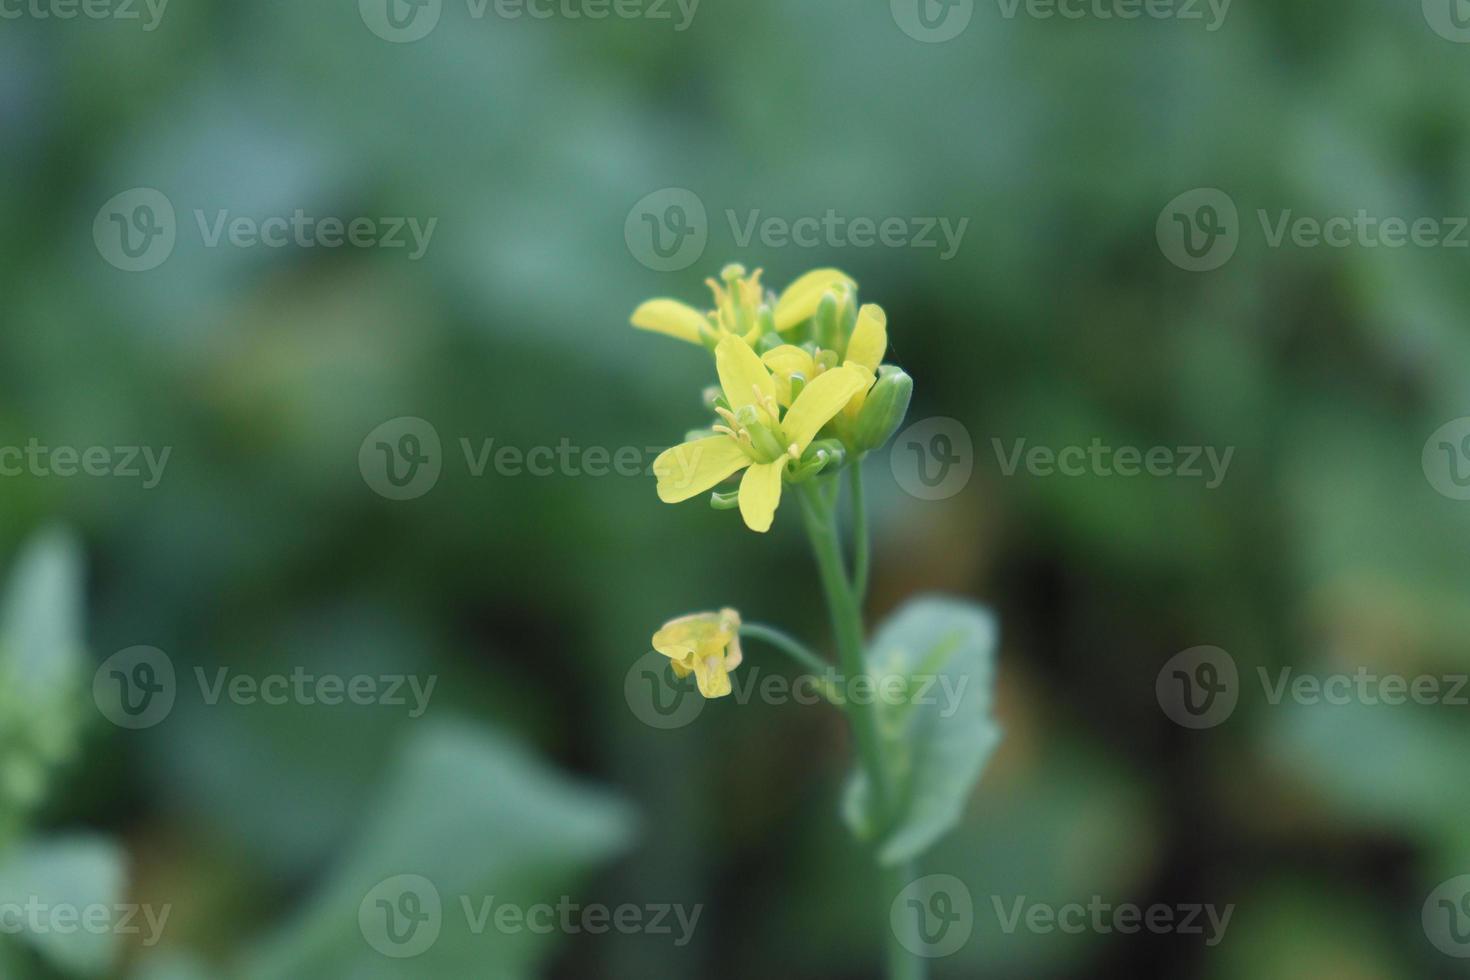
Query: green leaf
[
  {"x": 467, "y": 818},
  {"x": 41, "y": 617},
  {"x": 41, "y": 666},
  {"x": 937, "y": 740},
  {"x": 64, "y": 880}
]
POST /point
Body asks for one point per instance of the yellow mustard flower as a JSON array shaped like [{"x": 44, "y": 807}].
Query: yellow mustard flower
[
  {"x": 865, "y": 349},
  {"x": 742, "y": 307},
  {"x": 706, "y": 645},
  {"x": 757, "y": 436}
]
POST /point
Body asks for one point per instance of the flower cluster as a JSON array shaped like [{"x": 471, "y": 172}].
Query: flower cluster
[
  {"x": 803, "y": 391},
  {"x": 802, "y": 387}
]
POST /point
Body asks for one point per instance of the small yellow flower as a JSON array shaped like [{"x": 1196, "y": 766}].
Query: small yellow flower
[
  {"x": 741, "y": 308},
  {"x": 706, "y": 645},
  {"x": 756, "y": 433},
  {"x": 865, "y": 350}
]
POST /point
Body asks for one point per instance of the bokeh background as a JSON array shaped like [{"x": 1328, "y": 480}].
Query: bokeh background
[{"x": 264, "y": 548}]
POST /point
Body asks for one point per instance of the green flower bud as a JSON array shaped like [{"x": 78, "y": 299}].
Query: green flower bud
[
  {"x": 826, "y": 327},
  {"x": 884, "y": 410},
  {"x": 724, "y": 499}
]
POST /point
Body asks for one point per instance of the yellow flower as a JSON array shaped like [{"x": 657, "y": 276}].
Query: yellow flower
[
  {"x": 756, "y": 435},
  {"x": 742, "y": 308},
  {"x": 706, "y": 645},
  {"x": 865, "y": 349}
]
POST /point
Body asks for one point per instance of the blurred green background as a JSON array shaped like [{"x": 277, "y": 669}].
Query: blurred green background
[{"x": 532, "y": 142}]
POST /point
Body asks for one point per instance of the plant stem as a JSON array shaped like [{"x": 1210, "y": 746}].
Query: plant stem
[
  {"x": 847, "y": 627},
  {"x": 902, "y": 964},
  {"x": 788, "y": 645},
  {"x": 860, "y": 545}
]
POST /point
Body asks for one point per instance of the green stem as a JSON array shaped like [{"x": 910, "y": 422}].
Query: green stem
[
  {"x": 902, "y": 964},
  {"x": 847, "y": 627},
  {"x": 844, "y": 600},
  {"x": 788, "y": 645},
  {"x": 860, "y": 545}
]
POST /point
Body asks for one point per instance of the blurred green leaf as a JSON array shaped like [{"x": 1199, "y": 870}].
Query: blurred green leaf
[
  {"x": 469, "y": 817},
  {"x": 40, "y": 668},
  {"x": 40, "y": 621},
  {"x": 938, "y": 741},
  {"x": 64, "y": 880}
]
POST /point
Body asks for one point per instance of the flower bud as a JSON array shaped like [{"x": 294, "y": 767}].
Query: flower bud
[{"x": 884, "y": 409}]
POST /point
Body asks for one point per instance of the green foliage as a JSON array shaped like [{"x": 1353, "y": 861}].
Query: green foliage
[
  {"x": 938, "y": 738},
  {"x": 476, "y": 817},
  {"x": 41, "y": 657},
  {"x": 73, "y": 876}
]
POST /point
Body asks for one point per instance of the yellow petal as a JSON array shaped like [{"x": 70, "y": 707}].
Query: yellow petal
[
  {"x": 742, "y": 374},
  {"x": 790, "y": 359},
  {"x": 712, "y": 676},
  {"x": 691, "y": 468},
  {"x": 760, "y": 493},
  {"x": 668, "y": 316},
  {"x": 784, "y": 361},
  {"x": 818, "y": 402},
  {"x": 800, "y": 300},
  {"x": 869, "y": 338}
]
